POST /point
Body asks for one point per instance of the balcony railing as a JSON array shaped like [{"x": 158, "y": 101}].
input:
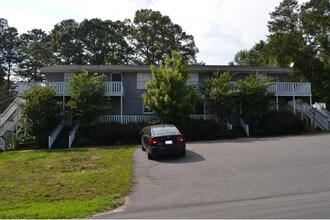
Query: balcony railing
[
  {"x": 290, "y": 89},
  {"x": 62, "y": 88}
]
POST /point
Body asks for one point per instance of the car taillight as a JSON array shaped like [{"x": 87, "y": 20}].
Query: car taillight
[
  {"x": 181, "y": 139},
  {"x": 153, "y": 141}
]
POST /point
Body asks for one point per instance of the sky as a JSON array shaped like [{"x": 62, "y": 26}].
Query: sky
[{"x": 220, "y": 27}]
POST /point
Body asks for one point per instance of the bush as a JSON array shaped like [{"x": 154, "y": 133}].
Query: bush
[
  {"x": 112, "y": 134},
  {"x": 280, "y": 123},
  {"x": 198, "y": 130}
]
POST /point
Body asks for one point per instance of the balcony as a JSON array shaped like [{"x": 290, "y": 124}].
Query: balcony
[
  {"x": 62, "y": 88},
  {"x": 290, "y": 89}
]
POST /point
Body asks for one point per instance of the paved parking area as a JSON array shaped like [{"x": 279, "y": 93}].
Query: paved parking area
[{"x": 217, "y": 173}]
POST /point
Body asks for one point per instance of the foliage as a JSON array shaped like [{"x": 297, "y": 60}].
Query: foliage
[
  {"x": 9, "y": 42},
  {"x": 254, "y": 97},
  {"x": 298, "y": 35},
  {"x": 203, "y": 130},
  {"x": 41, "y": 113},
  {"x": 168, "y": 92},
  {"x": 35, "y": 53},
  {"x": 87, "y": 97},
  {"x": 64, "y": 184},
  {"x": 280, "y": 123},
  {"x": 221, "y": 93},
  {"x": 154, "y": 36}
]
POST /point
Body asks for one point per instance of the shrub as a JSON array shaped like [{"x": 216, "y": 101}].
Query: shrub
[
  {"x": 198, "y": 130},
  {"x": 112, "y": 133},
  {"x": 279, "y": 123}
]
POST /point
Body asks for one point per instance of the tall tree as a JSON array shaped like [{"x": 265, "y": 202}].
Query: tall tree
[
  {"x": 67, "y": 48},
  {"x": 256, "y": 56},
  {"x": 9, "y": 43},
  {"x": 35, "y": 52},
  {"x": 168, "y": 92},
  {"x": 154, "y": 36},
  {"x": 315, "y": 17}
]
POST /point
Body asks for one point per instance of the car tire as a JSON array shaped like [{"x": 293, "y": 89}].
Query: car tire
[
  {"x": 183, "y": 153},
  {"x": 150, "y": 157}
]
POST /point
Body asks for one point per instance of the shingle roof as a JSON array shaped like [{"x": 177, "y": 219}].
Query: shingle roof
[{"x": 146, "y": 68}]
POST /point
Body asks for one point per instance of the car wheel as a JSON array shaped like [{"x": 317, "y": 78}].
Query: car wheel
[
  {"x": 150, "y": 157},
  {"x": 183, "y": 153}
]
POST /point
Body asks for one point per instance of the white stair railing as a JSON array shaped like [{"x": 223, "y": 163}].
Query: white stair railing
[
  {"x": 2, "y": 144},
  {"x": 72, "y": 134},
  {"x": 55, "y": 133},
  {"x": 229, "y": 125},
  {"x": 245, "y": 126}
]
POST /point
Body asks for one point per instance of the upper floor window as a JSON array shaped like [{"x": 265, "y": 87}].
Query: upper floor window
[
  {"x": 142, "y": 79},
  {"x": 193, "y": 79},
  {"x": 68, "y": 76}
]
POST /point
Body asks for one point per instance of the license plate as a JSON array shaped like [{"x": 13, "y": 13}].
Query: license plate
[{"x": 169, "y": 142}]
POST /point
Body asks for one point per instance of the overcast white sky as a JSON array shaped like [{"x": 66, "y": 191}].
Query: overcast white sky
[{"x": 220, "y": 27}]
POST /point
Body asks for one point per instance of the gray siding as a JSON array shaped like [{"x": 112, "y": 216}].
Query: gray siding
[{"x": 132, "y": 98}]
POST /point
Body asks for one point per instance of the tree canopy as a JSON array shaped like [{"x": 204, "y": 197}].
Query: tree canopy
[{"x": 299, "y": 39}]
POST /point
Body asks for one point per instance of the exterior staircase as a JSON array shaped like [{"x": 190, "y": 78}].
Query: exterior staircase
[
  {"x": 61, "y": 142},
  {"x": 318, "y": 114},
  {"x": 9, "y": 126}
]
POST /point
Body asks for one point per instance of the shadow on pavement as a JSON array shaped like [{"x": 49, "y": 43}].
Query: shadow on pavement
[{"x": 191, "y": 157}]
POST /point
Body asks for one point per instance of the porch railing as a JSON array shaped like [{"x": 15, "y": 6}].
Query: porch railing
[
  {"x": 125, "y": 119},
  {"x": 202, "y": 117},
  {"x": 290, "y": 88},
  {"x": 62, "y": 88}
]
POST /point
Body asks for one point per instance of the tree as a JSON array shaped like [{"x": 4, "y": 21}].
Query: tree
[
  {"x": 256, "y": 56},
  {"x": 168, "y": 92},
  {"x": 67, "y": 48},
  {"x": 88, "y": 98},
  {"x": 35, "y": 53},
  {"x": 41, "y": 113},
  {"x": 221, "y": 93},
  {"x": 315, "y": 19},
  {"x": 254, "y": 97},
  {"x": 154, "y": 36},
  {"x": 9, "y": 42}
]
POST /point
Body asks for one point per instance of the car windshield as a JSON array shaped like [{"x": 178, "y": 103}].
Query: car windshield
[{"x": 158, "y": 131}]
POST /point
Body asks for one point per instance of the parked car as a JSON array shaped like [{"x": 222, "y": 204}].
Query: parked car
[{"x": 163, "y": 139}]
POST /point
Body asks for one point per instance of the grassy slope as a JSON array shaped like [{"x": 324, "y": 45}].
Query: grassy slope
[{"x": 64, "y": 184}]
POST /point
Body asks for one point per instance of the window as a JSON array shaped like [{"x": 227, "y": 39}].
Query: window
[
  {"x": 193, "y": 79},
  {"x": 147, "y": 110},
  {"x": 68, "y": 76},
  {"x": 142, "y": 79},
  {"x": 262, "y": 76}
]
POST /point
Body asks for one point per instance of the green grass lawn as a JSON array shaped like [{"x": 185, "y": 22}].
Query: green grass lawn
[{"x": 64, "y": 183}]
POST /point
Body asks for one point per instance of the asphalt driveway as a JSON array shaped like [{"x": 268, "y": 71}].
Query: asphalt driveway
[{"x": 242, "y": 178}]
